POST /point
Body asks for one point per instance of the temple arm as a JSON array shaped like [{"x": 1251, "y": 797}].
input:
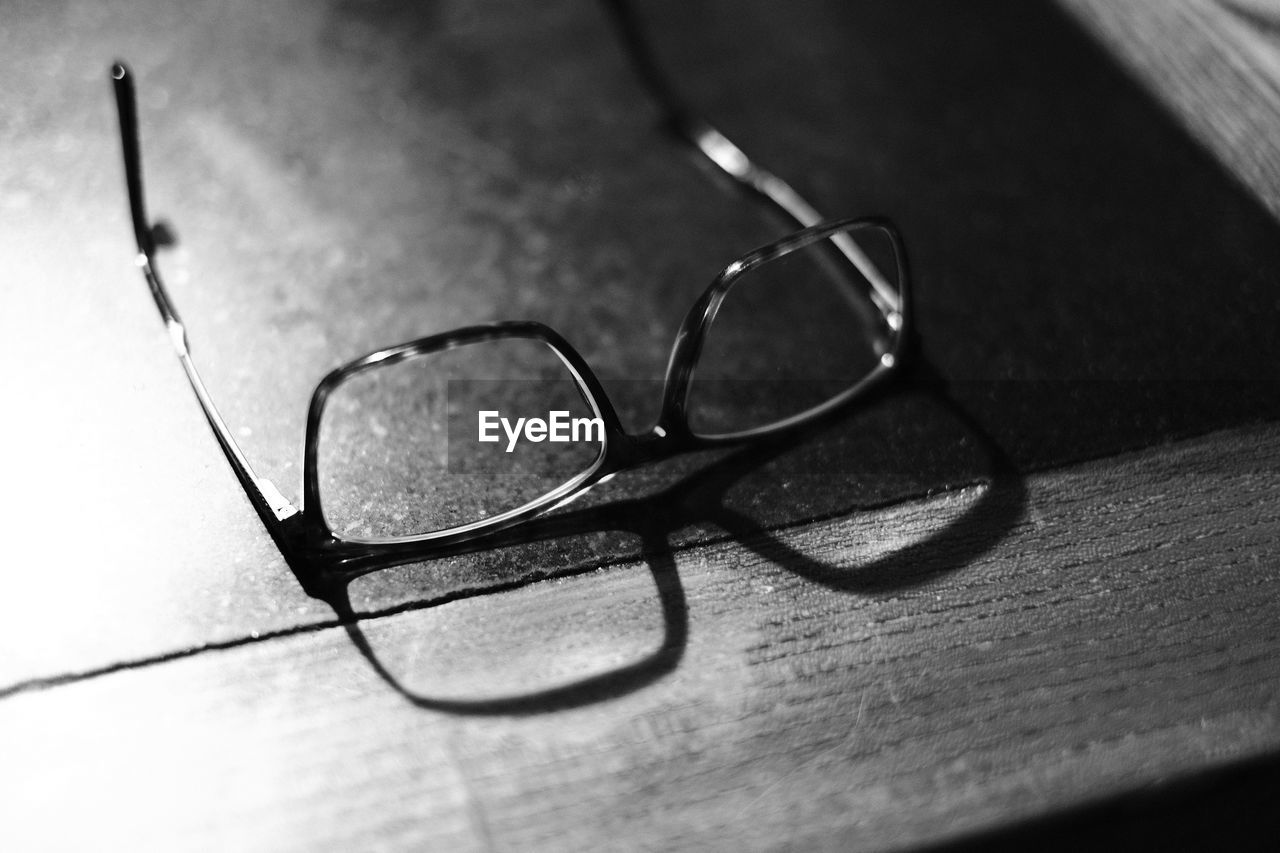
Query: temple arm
[
  {"x": 271, "y": 505},
  {"x": 694, "y": 130}
]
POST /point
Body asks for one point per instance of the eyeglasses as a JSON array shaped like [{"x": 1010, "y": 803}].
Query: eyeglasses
[{"x": 426, "y": 447}]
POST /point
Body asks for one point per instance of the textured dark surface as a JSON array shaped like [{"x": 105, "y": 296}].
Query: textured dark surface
[{"x": 342, "y": 176}]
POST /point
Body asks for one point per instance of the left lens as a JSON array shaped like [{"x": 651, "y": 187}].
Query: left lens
[{"x": 452, "y": 439}]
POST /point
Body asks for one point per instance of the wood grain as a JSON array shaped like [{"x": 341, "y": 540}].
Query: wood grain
[
  {"x": 1125, "y": 630},
  {"x": 1215, "y": 64}
]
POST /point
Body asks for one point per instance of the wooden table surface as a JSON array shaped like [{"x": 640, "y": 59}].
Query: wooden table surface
[{"x": 1029, "y": 607}]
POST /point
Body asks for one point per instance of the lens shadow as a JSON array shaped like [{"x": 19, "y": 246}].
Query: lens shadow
[
  {"x": 534, "y": 648},
  {"x": 945, "y": 546},
  {"x": 707, "y": 497}
]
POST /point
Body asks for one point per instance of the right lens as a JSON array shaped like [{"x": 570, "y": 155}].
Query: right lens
[
  {"x": 443, "y": 440},
  {"x": 797, "y": 331}
]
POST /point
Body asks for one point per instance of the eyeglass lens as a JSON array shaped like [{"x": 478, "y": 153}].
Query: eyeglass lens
[
  {"x": 450, "y": 438},
  {"x": 791, "y": 334}
]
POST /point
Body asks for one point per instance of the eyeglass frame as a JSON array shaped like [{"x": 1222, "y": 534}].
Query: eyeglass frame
[{"x": 303, "y": 535}]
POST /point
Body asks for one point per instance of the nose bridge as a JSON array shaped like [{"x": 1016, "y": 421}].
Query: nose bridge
[{"x": 659, "y": 443}]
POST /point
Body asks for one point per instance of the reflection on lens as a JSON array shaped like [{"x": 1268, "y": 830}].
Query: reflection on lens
[
  {"x": 795, "y": 332},
  {"x": 456, "y": 437}
]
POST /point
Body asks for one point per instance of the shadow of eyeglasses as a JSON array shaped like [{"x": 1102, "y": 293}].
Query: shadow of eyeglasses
[{"x": 701, "y": 498}]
